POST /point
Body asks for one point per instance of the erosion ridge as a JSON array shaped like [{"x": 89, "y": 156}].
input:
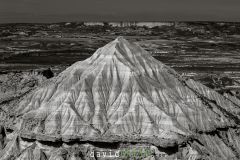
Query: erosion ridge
[{"x": 121, "y": 93}]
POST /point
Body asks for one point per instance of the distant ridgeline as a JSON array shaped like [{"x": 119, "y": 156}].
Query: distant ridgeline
[{"x": 128, "y": 24}]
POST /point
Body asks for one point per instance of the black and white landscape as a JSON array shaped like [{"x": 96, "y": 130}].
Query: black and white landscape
[{"x": 120, "y": 90}]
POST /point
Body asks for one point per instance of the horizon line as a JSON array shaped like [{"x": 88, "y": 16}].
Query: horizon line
[{"x": 131, "y": 21}]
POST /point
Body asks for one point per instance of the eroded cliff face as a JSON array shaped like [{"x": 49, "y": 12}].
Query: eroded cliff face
[{"x": 123, "y": 95}]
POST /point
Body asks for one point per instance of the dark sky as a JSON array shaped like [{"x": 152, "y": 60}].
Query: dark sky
[{"x": 118, "y": 10}]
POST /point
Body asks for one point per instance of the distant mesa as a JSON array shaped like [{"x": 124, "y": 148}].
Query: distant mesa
[{"x": 129, "y": 24}]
